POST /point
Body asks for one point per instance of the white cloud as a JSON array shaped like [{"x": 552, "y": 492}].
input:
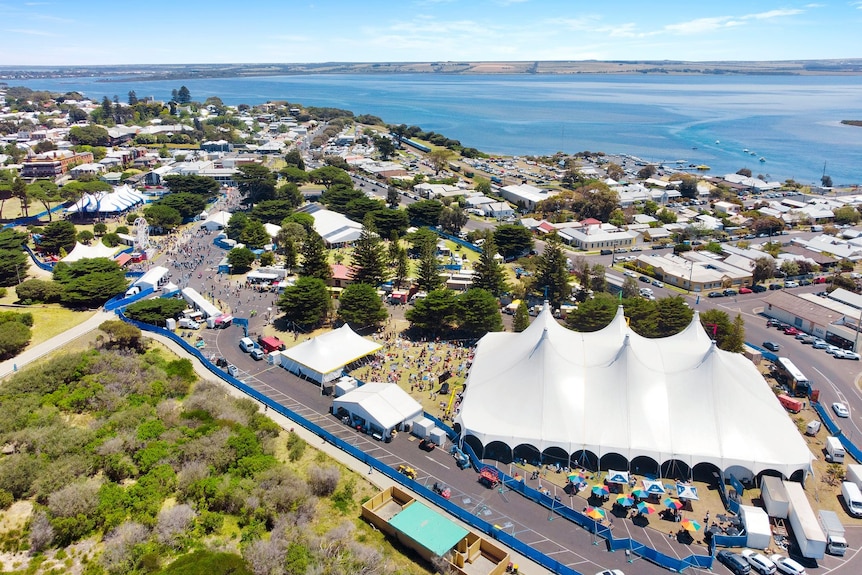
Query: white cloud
[{"x": 30, "y": 32}]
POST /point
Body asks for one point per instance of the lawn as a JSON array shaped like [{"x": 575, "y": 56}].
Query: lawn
[{"x": 48, "y": 320}]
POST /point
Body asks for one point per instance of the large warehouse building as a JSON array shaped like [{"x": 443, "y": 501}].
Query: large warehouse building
[{"x": 678, "y": 406}]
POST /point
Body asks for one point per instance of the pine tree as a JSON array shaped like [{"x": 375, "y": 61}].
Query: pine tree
[
  {"x": 314, "y": 261},
  {"x": 394, "y": 247},
  {"x": 490, "y": 275},
  {"x": 291, "y": 256},
  {"x": 369, "y": 257},
  {"x": 522, "y": 318},
  {"x": 428, "y": 276},
  {"x": 402, "y": 267},
  {"x": 551, "y": 273}
]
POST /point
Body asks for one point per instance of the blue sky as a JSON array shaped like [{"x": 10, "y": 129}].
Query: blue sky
[{"x": 74, "y": 32}]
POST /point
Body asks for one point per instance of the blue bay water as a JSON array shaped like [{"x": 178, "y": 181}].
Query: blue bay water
[{"x": 791, "y": 121}]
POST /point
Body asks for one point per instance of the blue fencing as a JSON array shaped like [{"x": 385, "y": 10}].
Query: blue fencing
[
  {"x": 459, "y": 241},
  {"x": 32, "y": 219},
  {"x": 833, "y": 428},
  {"x": 120, "y": 301},
  {"x": 39, "y": 263}
]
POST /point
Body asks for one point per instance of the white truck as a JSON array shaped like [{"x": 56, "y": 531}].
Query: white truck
[
  {"x": 809, "y": 535},
  {"x": 188, "y": 323},
  {"x": 854, "y": 474},
  {"x": 836, "y": 544},
  {"x": 834, "y": 450}
]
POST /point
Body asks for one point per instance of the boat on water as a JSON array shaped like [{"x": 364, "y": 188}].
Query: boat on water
[
  {"x": 718, "y": 141},
  {"x": 753, "y": 153},
  {"x": 703, "y": 167},
  {"x": 745, "y": 150},
  {"x": 762, "y": 159}
]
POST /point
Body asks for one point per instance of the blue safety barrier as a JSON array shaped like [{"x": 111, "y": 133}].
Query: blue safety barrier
[
  {"x": 48, "y": 267},
  {"x": 459, "y": 241},
  {"x": 121, "y": 301},
  {"x": 833, "y": 428}
]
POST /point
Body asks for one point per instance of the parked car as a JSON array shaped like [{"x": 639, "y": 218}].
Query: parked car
[
  {"x": 657, "y": 283},
  {"x": 832, "y": 349},
  {"x": 745, "y": 290},
  {"x": 805, "y": 282},
  {"x": 715, "y": 294},
  {"x": 771, "y": 345},
  {"x": 606, "y": 252},
  {"x": 256, "y": 354},
  {"x": 840, "y": 409},
  {"x": 630, "y": 274},
  {"x": 644, "y": 279},
  {"x": 790, "y": 330},
  {"x": 736, "y": 563},
  {"x": 819, "y": 344},
  {"x": 759, "y": 562},
  {"x": 772, "y": 322},
  {"x": 775, "y": 286},
  {"x": 757, "y": 288},
  {"x": 807, "y": 339},
  {"x": 730, "y": 292},
  {"x": 787, "y": 565},
  {"x": 791, "y": 284},
  {"x": 847, "y": 354}
]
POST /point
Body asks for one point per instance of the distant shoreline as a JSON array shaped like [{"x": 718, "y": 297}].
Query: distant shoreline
[{"x": 133, "y": 73}]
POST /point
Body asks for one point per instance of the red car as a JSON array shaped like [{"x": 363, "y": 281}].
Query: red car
[
  {"x": 745, "y": 290},
  {"x": 791, "y": 331}
]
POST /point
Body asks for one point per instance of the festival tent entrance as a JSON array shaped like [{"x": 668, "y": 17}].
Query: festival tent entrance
[
  {"x": 323, "y": 358},
  {"x": 677, "y": 400},
  {"x": 378, "y": 407}
]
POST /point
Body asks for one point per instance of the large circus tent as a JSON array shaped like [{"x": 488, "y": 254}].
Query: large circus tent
[
  {"x": 119, "y": 200},
  {"x": 612, "y": 398}
]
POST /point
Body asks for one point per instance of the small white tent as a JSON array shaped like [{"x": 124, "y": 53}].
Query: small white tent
[
  {"x": 379, "y": 407},
  {"x": 322, "y": 358}
]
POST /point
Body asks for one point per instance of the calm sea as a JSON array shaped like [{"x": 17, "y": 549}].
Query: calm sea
[{"x": 793, "y": 122}]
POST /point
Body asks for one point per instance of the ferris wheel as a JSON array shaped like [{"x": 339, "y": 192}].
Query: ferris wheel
[{"x": 142, "y": 234}]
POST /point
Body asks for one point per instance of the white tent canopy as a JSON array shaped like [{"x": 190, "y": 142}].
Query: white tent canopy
[
  {"x": 615, "y": 392},
  {"x": 97, "y": 250},
  {"x": 119, "y": 200},
  {"x": 322, "y": 358},
  {"x": 383, "y": 406}
]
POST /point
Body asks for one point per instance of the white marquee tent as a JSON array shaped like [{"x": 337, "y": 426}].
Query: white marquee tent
[
  {"x": 322, "y": 358},
  {"x": 383, "y": 406},
  {"x": 678, "y": 398},
  {"x": 96, "y": 250},
  {"x": 119, "y": 200}
]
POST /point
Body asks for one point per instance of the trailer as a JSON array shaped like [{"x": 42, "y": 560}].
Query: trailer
[
  {"x": 774, "y": 496},
  {"x": 806, "y": 528}
]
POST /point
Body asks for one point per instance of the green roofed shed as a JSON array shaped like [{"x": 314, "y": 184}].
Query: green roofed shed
[{"x": 428, "y": 528}]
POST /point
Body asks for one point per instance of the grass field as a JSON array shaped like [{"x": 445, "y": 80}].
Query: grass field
[{"x": 48, "y": 320}]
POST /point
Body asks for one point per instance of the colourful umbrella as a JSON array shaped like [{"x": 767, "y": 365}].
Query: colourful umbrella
[
  {"x": 690, "y": 525},
  {"x": 645, "y": 509},
  {"x": 595, "y": 513},
  {"x": 625, "y": 501},
  {"x": 672, "y": 504},
  {"x": 640, "y": 494},
  {"x": 600, "y": 490}
]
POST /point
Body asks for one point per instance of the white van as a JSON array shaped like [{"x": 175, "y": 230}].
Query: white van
[
  {"x": 852, "y": 498},
  {"x": 246, "y": 344},
  {"x": 834, "y": 450}
]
